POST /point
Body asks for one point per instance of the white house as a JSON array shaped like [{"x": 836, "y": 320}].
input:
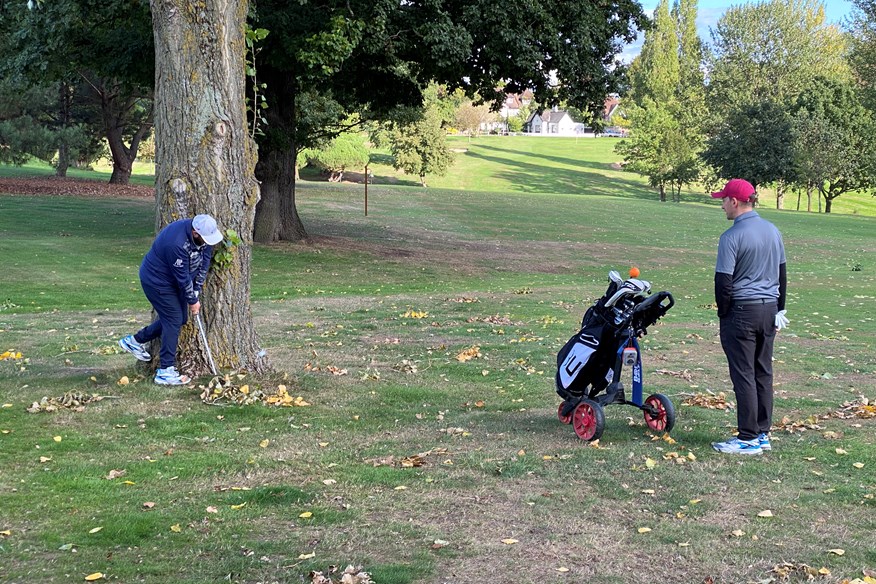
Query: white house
[{"x": 551, "y": 123}]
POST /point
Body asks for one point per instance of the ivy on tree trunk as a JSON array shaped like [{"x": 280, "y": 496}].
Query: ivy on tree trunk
[{"x": 205, "y": 162}]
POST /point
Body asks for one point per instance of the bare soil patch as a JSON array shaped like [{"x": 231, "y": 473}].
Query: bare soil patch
[{"x": 75, "y": 187}]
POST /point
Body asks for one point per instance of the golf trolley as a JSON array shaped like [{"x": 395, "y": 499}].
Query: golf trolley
[{"x": 589, "y": 365}]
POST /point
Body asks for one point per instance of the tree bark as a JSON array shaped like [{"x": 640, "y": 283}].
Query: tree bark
[
  {"x": 205, "y": 163},
  {"x": 277, "y": 215},
  {"x": 65, "y": 102}
]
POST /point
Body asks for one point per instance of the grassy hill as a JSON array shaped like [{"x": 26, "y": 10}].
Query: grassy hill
[{"x": 424, "y": 338}]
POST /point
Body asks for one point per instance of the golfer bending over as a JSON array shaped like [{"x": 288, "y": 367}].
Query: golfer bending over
[
  {"x": 172, "y": 275},
  {"x": 750, "y": 285}
]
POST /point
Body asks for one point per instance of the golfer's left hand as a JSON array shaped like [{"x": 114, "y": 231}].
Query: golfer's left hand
[
  {"x": 195, "y": 308},
  {"x": 781, "y": 320}
]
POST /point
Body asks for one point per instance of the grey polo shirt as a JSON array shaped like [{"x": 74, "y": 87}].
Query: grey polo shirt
[{"x": 751, "y": 251}]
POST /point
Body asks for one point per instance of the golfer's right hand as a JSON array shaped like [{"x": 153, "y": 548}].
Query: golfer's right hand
[
  {"x": 196, "y": 307},
  {"x": 781, "y": 320}
]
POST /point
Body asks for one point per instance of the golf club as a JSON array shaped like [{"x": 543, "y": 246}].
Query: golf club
[{"x": 206, "y": 344}]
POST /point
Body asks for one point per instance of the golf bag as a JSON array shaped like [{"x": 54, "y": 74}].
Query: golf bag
[{"x": 588, "y": 362}]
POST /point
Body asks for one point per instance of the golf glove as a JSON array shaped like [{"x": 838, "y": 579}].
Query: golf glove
[{"x": 781, "y": 320}]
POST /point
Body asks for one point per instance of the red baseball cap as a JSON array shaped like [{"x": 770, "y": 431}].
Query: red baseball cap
[{"x": 738, "y": 189}]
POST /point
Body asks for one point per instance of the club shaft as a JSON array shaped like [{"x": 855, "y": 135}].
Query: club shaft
[{"x": 206, "y": 344}]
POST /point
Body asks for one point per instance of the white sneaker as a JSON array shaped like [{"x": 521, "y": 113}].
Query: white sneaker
[
  {"x": 170, "y": 376},
  {"x": 131, "y": 345},
  {"x": 737, "y": 446}
]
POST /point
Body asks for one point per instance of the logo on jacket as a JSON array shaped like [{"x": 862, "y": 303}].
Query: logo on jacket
[{"x": 178, "y": 263}]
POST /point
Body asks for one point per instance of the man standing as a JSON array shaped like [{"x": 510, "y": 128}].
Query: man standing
[
  {"x": 750, "y": 285},
  {"x": 172, "y": 275}
]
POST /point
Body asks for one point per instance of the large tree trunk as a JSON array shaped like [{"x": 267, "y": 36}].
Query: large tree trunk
[
  {"x": 65, "y": 101},
  {"x": 277, "y": 215},
  {"x": 205, "y": 161}
]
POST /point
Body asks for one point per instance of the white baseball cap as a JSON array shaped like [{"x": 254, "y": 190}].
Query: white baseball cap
[{"x": 206, "y": 228}]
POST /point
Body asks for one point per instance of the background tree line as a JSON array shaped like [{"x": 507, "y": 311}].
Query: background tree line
[{"x": 779, "y": 97}]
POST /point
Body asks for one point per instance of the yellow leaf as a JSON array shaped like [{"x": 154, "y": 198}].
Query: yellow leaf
[
  {"x": 57, "y": 438},
  {"x": 124, "y": 380},
  {"x": 306, "y": 515},
  {"x": 521, "y": 452},
  {"x": 869, "y": 580},
  {"x": 323, "y": 444},
  {"x": 824, "y": 571},
  {"x": 683, "y": 544},
  {"x": 650, "y": 463},
  {"x": 765, "y": 513},
  {"x": 509, "y": 541},
  {"x": 841, "y": 451},
  {"x": 858, "y": 465},
  {"x": 737, "y": 533},
  {"x": 94, "y": 529},
  {"x": 837, "y": 552},
  {"x": 175, "y": 528},
  {"x": 401, "y": 488},
  {"x": 244, "y": 389},
  {"x": 45, "y": 458},
  {"x": 307, "y": 556},
  {"x": 93, "y": 577},
  {"x": 264, "y": 443},
  {"x": 694, "y": 501},
  {"x": 236, "y": 507},
  {"x": 7, "y": 405},
  {"x": 128, "y": 483},
  {"x": 644, "y": 529},
  {"x": 6, "y": 533}
]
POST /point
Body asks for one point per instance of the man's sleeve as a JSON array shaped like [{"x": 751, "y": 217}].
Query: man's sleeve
[
  {"x": 206, "y": 256},
  {"x": 783, "y": 285},
  {"x": 723, "y": 293},
  {"x": 178, "y": 259}
]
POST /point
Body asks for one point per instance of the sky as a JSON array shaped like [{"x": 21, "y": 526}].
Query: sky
[{"x": 710, "y": 11}]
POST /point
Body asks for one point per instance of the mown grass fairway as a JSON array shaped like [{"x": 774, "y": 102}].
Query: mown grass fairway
[{"x": 409, "y": 462}]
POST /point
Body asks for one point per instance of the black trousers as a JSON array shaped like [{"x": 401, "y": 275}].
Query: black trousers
[{"x": 747, "y": 336}]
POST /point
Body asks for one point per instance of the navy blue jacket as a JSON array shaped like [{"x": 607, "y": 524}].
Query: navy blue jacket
[{"x": 175, "y": 263}]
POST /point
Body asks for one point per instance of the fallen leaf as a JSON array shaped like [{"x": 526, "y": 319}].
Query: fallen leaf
[
  {"x": 57, "y": 438},
  {"x": 95, "y": 529},
  {"x": 644, "y": 529},
  {"x": 841, "y": 451},
  {"x": 837, "y": 552},
  {"x": 648, "y": 491},
  {"x": 93, "y": 577},
  {"x": 148, "y": 505},
  {"x": 650, "y": 463},
  {"x": 212, "y": 509},
  {"x": 824, "y": 571},
  {"x": 562, "y": 569},
  {"x": 737, "y": 533},
  {"x": 401, "y": 488},
  {"x": 128, "y": 483},
  {"x": 236, "y": 507},
  {"x": 509, "y": 541},
  {"x": 858, "y": 465},
  {"x": 521, "y": 452},
  {"x": 329, "y": 482},
  {"x": 175, "y": 528},
  {"x": 765, "y": 513},
  {"x": 264, "y": 443},
  {"x": 124, "y": 380},
  {"x": 114, "y": 474},
  {"x": 6, "y": 533},
  {"x": 45, "y": 458},
  {"x": 307, "y": 556},
  {"x": 306, "y": 515}
]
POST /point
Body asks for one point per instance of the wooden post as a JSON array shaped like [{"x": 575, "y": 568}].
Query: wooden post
[{"x": 366, "y": 190}]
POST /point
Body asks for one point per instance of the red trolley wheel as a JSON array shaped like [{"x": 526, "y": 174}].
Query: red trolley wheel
[
  {"x": 564, "y": 419},
  {"x": 588, "y": 420},
  {"x": 664, "y": 418}
]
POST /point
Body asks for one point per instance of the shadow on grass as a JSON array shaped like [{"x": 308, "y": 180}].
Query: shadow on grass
[
  {"x": 558, "y": 159},
  {"x": 535, "y": 178}
]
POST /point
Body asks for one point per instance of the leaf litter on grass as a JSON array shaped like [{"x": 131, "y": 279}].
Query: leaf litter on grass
[{"x": 227, "y": 389}]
